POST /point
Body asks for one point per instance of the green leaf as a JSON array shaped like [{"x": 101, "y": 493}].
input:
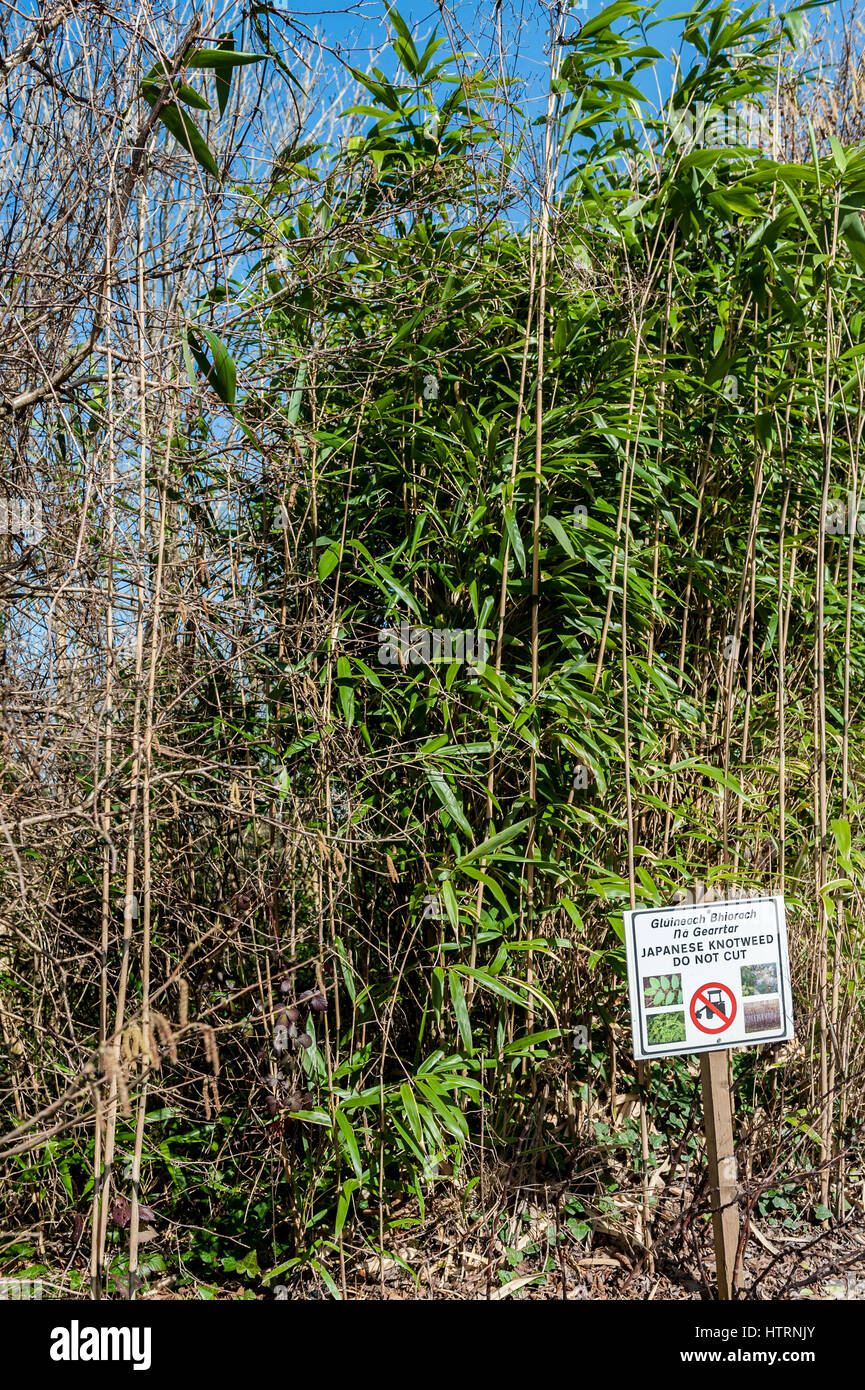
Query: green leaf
[
  {"x": 411, "y": 1112},
  {"x": 297, "y": 394},
  {"x": 189, "y": 361},
  {"x": 327, "y": 1278},
  {"x": 346, "y": 689},
  {"x": 329, "y": 561},
  {"x": 850, "y": 226},
  {"x": 803, "y": 216},
  {"x": 573, "y": 912},
  {"x": 350, "y": 1143},
  {"x": 487, "y": 981},
  {"x": 797, "y": 25},
  {"x": 460, "y": 1010},
  {"x": 349, "y": 1187},
  {"x": 220, "y": 371},
  {"x": 447, "y": 798},
  {"x": 515, "y": 538},
  {"x": 841, "y": 831},
  {"x": 520, "y": 1046},
  {"x": 602, "y": 21},
  {"x": 452, "y": 1117},
  {"x": 224, "y": 73},
  {"x": 188, "y": 95},
  {"x": 404, "y": 47},
  {"x": 222, "y": 58},
  {"x": 187, "y": 134},
  {"x": 553, "y": 524},
  {"x": 449, "y": 898},
  {"x": 838, "y": 154},
  {"x": 488, "y": 847}
]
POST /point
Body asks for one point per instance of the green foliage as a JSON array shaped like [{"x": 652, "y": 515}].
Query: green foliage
[
  {"x": 423, "y": 502},
  {"x": 222, "y": 61},
  {"x": 665, "y": 1028},
  {"x": 220, "y": 370},
  {"x": 440, "y": 836}
]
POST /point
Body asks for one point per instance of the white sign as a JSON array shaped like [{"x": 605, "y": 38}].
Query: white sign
[{"x": 708, "y": 975}]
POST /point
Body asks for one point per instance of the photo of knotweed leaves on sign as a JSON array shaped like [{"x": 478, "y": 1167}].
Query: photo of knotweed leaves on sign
[
  {"x": 659, "y": 990},
  {"x": 666, "y": 1028}
]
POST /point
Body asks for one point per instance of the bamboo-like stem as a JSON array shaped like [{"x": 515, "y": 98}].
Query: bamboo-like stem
[
  {"x": 113, "y": 1059},
  {"x": 108, "y": 709},
  {"x": 148, "y": 1041},
  {"x": 642, "y": 1067},
  {"x": 821, "y": 852},
  {"x": 507, "y": 500},
  {"x": 546, "y": 201}
]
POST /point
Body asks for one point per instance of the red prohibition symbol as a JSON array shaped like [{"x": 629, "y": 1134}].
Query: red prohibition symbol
[{"x": 713, "y": 1008}]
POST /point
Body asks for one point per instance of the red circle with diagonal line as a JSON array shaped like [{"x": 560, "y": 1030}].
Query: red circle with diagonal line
[{"x": 713, "y": 1008}]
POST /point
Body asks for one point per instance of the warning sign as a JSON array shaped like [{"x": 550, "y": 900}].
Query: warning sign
[
  {"x": 708, "y": 975},
  {"x": 716, "y": 1005}
]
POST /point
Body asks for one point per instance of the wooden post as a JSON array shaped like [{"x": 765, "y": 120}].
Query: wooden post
[
  {"x": 723, "y": 1185},
  {"x": 715, "y": 1073}
]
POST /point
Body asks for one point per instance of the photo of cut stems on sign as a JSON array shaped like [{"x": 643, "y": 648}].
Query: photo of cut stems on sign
[
  {"x": 662, "y": 989},
  {"x": 762, "y": 1014}
]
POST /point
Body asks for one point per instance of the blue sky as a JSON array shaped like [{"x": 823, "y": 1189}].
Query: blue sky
[{"x": 362, "y": 33}]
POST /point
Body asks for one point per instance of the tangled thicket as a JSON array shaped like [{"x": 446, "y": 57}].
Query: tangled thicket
[{"x": 298, "y": 921}]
